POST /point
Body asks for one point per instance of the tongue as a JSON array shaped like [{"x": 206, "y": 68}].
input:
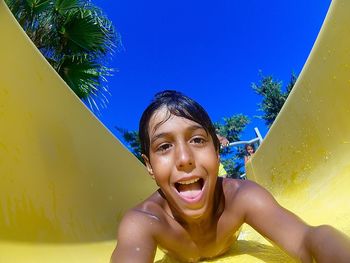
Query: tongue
[{"x": 190, "y": 190}]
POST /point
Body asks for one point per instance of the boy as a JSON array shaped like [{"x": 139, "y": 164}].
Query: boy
[{"x": 196, "y": 215}]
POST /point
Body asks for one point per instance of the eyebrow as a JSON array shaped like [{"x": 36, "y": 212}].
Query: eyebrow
[
  {"x": 156, "y": 137},
  {"x": 163, "y": 134}
]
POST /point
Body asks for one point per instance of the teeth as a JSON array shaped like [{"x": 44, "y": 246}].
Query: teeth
[{"x": 189, "y": 181}]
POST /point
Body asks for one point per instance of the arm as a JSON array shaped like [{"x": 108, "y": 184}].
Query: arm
[
  {"x": 326, "y": 244},
  {"x": 300, "y": 240},
  {"x": 246, "y": 159},
  {"x": 135, "y": 241}
]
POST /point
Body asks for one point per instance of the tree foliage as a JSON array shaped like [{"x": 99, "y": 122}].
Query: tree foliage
[
  {"x": 132, "y": 141},
  {"x": 273, "y": 97},
  {"x": 232, "y": 157},
  {"x": 75, "y": 37}
]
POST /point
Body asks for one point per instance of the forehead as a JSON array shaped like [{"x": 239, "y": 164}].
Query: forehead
[{"x": 162, "y": 118}]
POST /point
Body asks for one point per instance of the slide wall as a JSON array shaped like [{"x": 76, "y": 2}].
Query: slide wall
[{"x": 65, "y": 180}]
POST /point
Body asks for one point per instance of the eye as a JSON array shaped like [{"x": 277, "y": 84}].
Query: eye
[
  {"x": 198, "y": 140},
  {"x": 163, "y": 147}
]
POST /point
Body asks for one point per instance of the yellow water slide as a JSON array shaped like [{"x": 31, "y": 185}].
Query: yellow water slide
[{"x": 65, "y": 180}]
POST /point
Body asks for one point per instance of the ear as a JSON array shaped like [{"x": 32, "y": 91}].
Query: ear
[
  {"x": 218, "y": 155},
  {"x": 148, "y": 165}
]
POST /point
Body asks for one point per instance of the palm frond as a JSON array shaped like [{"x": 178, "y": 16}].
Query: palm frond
[
  {"x": 81, "y": 33},
  {"x": 84, "y": 77},
  {"x": 63, "y": 6},
  {"x": 75, "y": 37},
  {"x": 39, "y": 6}
]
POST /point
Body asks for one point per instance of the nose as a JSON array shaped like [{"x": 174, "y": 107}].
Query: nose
[{"x": 184, "y": 157}]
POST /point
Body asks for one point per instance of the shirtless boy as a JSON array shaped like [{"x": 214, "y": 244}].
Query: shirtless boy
[{"x": 195, "y": 215}]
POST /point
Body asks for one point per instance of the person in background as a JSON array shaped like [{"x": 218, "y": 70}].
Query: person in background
[{"x": 250, "y": 150}]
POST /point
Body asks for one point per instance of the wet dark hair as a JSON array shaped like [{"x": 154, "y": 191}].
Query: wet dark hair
[{"x": 179, "y": 105}]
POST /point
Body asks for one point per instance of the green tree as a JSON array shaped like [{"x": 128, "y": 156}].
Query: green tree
[
  {"x": 230, "y": 127},
  {"x": 273, "y": 97},
  {"x": 232, "y": 157},
  {"x": 75, "y": 37},
  {"x": 132, "y": 141}
]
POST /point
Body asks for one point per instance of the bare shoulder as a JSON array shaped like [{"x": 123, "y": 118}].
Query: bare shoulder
[
  {"x": 247, "y": 196},
  {"x": 258, "y": 208},
  {"x": 138, "y": 232},
  {"x": 235, "y": 189},
  {"x": 243, "y": 188},
  {"x": 146, "y": 216}
]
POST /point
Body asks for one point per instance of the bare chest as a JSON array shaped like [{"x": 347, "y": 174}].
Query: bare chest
[{"x": 180, "y": 244}]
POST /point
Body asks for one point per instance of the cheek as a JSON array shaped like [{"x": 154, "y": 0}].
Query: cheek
[
  {"x": 211, "y": 160},
  {"x": 161, "y": 168}
]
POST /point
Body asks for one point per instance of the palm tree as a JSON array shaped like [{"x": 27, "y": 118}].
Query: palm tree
[{"x": 75, "y": 37}]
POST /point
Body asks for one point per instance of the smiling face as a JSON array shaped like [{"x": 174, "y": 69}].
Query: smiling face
[{"x": 184, "y": 163}]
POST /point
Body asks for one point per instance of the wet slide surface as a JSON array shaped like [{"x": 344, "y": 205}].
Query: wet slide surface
[{"x": 65, "y": 180}]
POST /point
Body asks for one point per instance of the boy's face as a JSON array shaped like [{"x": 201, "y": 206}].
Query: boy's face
[{"x": 184, "y": 163}]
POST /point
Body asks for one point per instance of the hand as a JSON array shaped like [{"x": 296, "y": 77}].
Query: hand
[{"x": 223, "y": 140}]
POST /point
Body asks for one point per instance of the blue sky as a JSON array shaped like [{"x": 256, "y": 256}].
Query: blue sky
[{"x": 210, "y": 50}]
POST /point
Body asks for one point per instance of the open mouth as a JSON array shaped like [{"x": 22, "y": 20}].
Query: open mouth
[{"x": 190, "y": 189}]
